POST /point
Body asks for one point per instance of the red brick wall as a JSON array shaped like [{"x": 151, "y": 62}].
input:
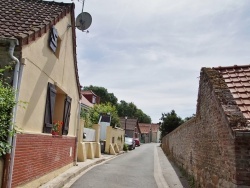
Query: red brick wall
[
  {"x": 37, "y": 155},
  {"x": 206, "y": 147}
]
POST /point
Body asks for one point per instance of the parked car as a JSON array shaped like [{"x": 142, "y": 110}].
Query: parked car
[
  {"x": 130, "y": 143},
  {"x": 137, "y": 142}
]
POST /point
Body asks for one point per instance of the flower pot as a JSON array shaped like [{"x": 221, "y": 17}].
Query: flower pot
[{"x": 54, "y": 133}]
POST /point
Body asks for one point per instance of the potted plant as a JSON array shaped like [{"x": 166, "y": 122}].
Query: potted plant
[{"x": 57, "y": 128}]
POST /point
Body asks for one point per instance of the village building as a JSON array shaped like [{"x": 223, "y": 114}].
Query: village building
[{"x": 37, "y": 38}]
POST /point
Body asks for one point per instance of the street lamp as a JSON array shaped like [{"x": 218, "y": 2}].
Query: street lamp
[{"x": 125, "y": 123}]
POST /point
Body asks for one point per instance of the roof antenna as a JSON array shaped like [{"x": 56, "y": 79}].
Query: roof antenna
[{"x": 83, "y": 20}]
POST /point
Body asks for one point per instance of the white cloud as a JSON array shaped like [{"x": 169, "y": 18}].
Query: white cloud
[{"x": 151, "y": 52}]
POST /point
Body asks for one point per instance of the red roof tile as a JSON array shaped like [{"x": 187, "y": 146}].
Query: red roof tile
[
  {"x": 147, "y": 127},
  {"x": 29, "y": 19},
  {"x": 237, "y": 79}
]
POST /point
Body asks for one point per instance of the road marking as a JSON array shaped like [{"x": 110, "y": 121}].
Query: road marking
[{"x": 160, "y": 181}]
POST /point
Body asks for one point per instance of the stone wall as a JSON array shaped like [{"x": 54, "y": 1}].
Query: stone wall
[{"x": 206, "y": 147}]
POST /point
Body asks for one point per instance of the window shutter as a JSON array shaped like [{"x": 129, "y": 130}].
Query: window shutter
[
  {"x": 49, "y": 108},
  {"x": 66, "y": 115}
]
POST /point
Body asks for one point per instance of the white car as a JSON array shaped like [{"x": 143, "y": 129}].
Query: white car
[{"x": 130, "y": 142}]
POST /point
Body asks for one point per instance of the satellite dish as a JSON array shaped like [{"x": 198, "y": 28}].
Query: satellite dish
[{"x": 83, "y": 21}]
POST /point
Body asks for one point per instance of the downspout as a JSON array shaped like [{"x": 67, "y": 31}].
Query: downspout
[
  {"x": 16, "y": 85},
  {"x": 19, "y": 75},
  {"x": 13, "y": 43}
]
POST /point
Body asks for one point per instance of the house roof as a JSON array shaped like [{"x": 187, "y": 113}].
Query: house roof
[
  {"x": 231, "y": 85},
  {"x": 144, "y": 128},
  {"x": 237, "y": 79},
  {"x": 147, "y": 127},
  {"x": 85, "y": 102},
  {"x": 130, "y": 123},
  {"x": 155, "y": 127},
  {"x": 27, "y": 20},
  {"x": 88, "y": 92}
]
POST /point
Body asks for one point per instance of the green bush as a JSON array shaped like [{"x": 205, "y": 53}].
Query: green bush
[
  {"x": 94, "y": 113},
  {"x": 125, "y": 147},
  {"x": 7, "y": 102}
]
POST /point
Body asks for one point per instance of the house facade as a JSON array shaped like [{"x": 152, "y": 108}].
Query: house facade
[
  {"x": 91, "y": 97},
  {"x": 213, "y": 147},
  {"x": 155, "y": 132},
  {"x": 149, "y": 132},
  {"x": 146, "y": 134},
  {"x": 42, "y": 36},
  {"x": 132, "y": 129}
]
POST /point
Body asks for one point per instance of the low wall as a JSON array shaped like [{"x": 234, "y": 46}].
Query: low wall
[
  {"x": 114, "y": 140},
  {"x": 86, "y": 149},
  {"x": 37, "y": 155}
]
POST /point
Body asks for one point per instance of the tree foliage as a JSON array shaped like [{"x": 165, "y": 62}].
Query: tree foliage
[
  {"x": 103, "y": 94},
  {"x": 170, "y": 121},
  {"x": 7, "y": 102},
  {"x": 94, "y": 113},
  {"x": 189, "y": 117},
  {"x": 123, "y": 108},
  {"x": 131, "y": 111}
]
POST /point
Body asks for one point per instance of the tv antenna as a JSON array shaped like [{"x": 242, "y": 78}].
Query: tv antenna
[{"x": 83, "y": 20}]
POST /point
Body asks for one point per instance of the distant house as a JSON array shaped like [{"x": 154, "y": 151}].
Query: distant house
[
  {"x": 155, "y": 132},
  {"x": 149, "y": 132},
  {"x": 132, "y": 129},
  {"x": 214, "y": 146},
  {"x": 85, "y": 103},
  {"x": 38, "y": 38},
  {"x": 91, "y": 97},
  {"x": 145, "y": 130}
]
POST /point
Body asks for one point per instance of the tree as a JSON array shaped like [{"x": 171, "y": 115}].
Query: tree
[
  {"x": 123, "y": 108},
  {"x": 170, "y": 121},
  {"x": 142, "y": 117},
  {"x": 98, "y": 109},
  {"x": 126, "y": 109},
  {"x": 188, "y": 118},
  {"x": 103, "y": 93},
  {"x": 130, "y": 110}
]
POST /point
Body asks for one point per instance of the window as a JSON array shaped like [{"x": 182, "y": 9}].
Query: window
[
  {"x": 57, "y": 108},
  {"x": 93, "y": 99}
]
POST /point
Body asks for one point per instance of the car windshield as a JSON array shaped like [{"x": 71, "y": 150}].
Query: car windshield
[{"x": 127, "y": 139}]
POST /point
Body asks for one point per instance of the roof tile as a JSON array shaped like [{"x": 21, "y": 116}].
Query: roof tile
[
  {"x": 20, "y": 16},
  {"x": 237, "y": 79}
]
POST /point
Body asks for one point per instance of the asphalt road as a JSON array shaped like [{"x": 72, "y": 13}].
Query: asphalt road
[{"x": 134, "y": 169}]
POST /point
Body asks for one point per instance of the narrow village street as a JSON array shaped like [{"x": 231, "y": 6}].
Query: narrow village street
[{"x": 137, "y": 168}]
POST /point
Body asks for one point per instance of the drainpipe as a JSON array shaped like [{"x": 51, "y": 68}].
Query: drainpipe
[
  {"x": 13, "y": 43},
  {"x": 17, "y": 78},
  {"x": 9, "y": 160}
]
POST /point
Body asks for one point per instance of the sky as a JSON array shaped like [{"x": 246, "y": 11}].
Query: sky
[{"x": 151, "y": 52}]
